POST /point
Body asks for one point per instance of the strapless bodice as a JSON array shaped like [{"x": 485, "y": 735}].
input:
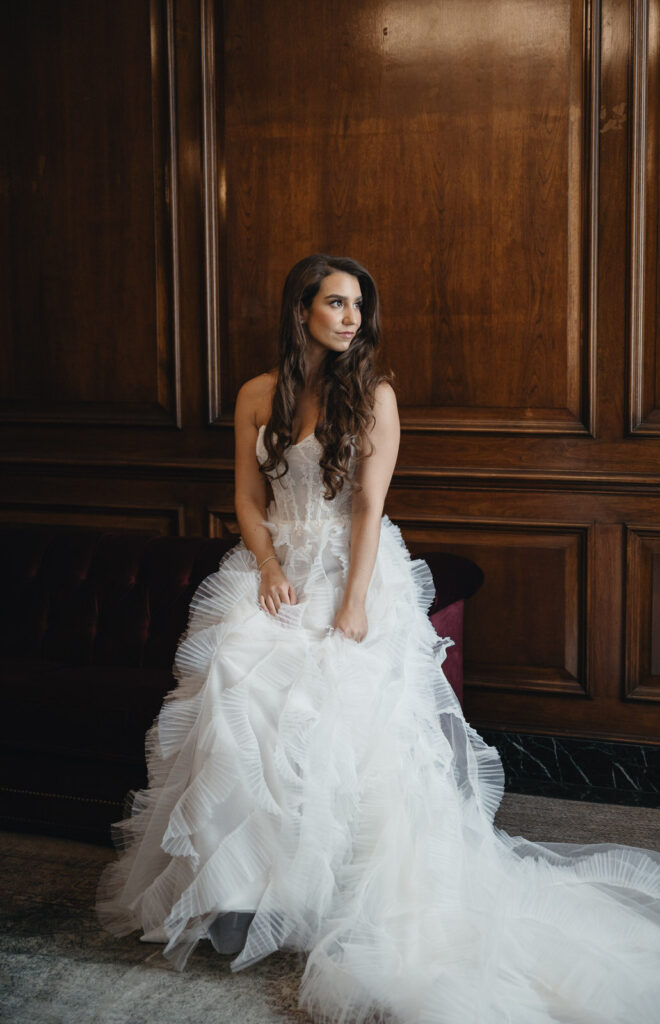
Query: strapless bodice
[{"x": 298, "y": 494}]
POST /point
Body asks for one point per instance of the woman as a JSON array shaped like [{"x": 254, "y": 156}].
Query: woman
[{"x": 312, "y": 781}]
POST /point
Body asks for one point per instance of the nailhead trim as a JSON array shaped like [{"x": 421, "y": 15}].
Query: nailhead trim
[{"x": 62, "y": 796}]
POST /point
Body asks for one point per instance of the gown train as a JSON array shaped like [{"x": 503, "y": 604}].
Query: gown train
[{"x": 334, "y": 791}]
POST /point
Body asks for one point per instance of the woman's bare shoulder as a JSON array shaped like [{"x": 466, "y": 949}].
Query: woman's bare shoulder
[
  {"x": 255, "y": 396},
  {"x": 385, "y": 392},
  {"x": 385, "y": 403},
  {"x": 260, "y": 385}
]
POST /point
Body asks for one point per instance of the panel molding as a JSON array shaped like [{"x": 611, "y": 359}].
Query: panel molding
[
  {"x": 214, "y": 200},
  {"x": 165, "y": 411},
  {"x": 452, "y": 419},
  {"x": 571, "y": 679},
  {"x": 642, "y": 614},
  {"x": 525, "y": 480},
  {"x": 577, "y": 419},
  {"x": 643, "y": 410},
  {"x": 201, "y": 469},
  {"x": 168, "y": 520},
  {"x": 220, "y": 523},
  {"x": 593, "y": 34},
  {"x": 166, "y": 187}
]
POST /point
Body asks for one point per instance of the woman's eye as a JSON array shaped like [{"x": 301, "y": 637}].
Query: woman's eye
[{"x": 335, "y": 302}]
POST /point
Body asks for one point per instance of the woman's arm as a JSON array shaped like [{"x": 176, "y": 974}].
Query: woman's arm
[
  {"x": 374, "y": 475},
  {"x": 250, "y": 497}
]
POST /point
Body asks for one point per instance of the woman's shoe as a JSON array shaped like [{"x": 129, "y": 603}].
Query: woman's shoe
[
  {"x": 229, "y": 931},
  {"x": 155, "y": 935}
]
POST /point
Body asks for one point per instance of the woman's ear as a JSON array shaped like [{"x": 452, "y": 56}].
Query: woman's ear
[{"x": 302, "y": 314}]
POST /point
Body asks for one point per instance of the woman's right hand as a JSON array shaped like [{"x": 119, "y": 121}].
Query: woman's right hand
[{"x": 275, "y": 589}]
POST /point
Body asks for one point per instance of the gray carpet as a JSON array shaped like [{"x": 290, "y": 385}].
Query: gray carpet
[{"x": 58, "y": 967}]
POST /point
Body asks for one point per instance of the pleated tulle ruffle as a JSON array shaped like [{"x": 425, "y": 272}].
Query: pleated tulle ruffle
[{"x": 334, "y": 791}]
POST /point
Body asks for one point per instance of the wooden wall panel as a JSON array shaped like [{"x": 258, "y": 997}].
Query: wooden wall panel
[
  {"x": 128, "y": 499},
  {"x": 644, "y": 371},
  {"x": 166, "y": 521},
  {"x": 465, "y": 185},
  {"x": 222, "y": 524},
  {"x": 525, "y": 628},
  {"x": 558, "y": 665},
  {"x": 495, "y": 165},
  {"x": 88, "y": 268},
  {"x": 643, "y": 614}
]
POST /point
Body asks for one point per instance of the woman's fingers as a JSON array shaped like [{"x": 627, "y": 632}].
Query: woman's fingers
[
  {"x": 351, "y": 634},
  {"x": 288, "y": 594},
  {"x": 277, "y": 596}
]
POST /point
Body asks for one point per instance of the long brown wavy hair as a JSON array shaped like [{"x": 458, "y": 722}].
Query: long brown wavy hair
[{"x": 349, "y": 378}]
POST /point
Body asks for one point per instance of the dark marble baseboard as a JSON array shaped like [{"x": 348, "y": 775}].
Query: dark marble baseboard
[{"x": 579, "y": 769}]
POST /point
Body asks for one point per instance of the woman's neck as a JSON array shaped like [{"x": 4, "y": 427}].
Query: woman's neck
[{"x": 313, "y": 368}]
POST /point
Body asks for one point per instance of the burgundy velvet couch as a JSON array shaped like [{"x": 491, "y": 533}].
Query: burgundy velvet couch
[{"x": 89, "y": 623}]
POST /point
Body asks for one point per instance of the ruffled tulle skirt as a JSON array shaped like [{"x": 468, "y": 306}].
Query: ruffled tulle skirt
[{"x": 334, "y": 790}]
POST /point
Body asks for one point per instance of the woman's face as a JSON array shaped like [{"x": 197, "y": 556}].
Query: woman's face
[{"x": 335, "y": 314}]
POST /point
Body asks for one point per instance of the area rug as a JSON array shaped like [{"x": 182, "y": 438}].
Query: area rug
[{"x": 58, "y": 967}]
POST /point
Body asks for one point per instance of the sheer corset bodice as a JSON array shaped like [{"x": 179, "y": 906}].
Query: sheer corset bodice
[{"x": 298, "y": 494}]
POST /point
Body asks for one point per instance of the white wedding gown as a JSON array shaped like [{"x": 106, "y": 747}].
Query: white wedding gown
[{"x": 334, "y": 790}]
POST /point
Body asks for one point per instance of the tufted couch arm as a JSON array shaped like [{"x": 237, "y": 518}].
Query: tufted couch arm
[{"x": 89, "y": 623}]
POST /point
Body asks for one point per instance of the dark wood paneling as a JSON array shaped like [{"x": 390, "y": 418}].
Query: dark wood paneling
[
  {"x": 457, "y": 167},
  {"x": 168, "y": 522},
  {"x": 576, "y": 614},
  {"x": 89, "y": 268},
  {"x": 496, "y": 166},
  {"x": 524, "y": 630},
  {"x": 218, "y": 388},
  {"x": 120, "y": 500},
  {"x": 644, "y": 372},
  {"x": 643, "y": 614},
  {"x": 222, "y": 524}
]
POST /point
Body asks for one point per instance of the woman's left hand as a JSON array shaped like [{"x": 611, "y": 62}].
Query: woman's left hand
[{"x": 351, "y": 619}]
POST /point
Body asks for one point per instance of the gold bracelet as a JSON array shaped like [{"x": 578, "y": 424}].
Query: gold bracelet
[{"x": 266, "y": 560}]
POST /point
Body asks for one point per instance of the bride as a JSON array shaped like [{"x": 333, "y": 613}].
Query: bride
[{"x": 313, "y": 784}]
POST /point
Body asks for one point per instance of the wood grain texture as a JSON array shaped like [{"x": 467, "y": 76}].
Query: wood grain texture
[
  {"x": 222, "y": 524},
  {"x": 644, "y": 350},
  {"x": 88, "y": 278},
  {"x": 167, "y": 522},
  {"x": 525, "y": 628},
  {"x": 553, "y": 590},
  {"x": 496, "y": 167},
  {"x": 456, "y": 168},
  {"x": 643, "y": 614}
]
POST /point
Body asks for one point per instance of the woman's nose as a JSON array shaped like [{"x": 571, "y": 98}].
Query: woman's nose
[{"x": 350, "y": 316}]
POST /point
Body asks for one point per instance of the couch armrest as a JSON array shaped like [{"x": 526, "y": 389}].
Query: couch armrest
[{"x": 455, "y": 578}]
